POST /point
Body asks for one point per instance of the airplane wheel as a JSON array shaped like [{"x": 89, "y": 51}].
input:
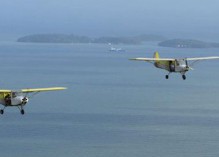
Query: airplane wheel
[
  {"x": 184, "y": 77},
  {"x": 2, "y": 111},
  {"x": 167, "y": 76},
  {"x": 22, "y": 112}
]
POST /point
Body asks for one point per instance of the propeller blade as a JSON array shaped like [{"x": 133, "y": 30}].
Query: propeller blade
[
  {"x": 187, "y": 65},
  {"x": 190, "y": 68}
]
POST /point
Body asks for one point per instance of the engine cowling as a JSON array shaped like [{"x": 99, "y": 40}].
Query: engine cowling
[{"x": 19, "y": 100}]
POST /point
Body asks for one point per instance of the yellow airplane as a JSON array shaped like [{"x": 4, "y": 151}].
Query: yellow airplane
[
  {"x": 18, "y": 98},
  {"x": 172, "y": 64}
]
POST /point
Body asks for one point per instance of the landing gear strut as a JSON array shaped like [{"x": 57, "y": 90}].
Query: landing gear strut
[
  {"x": 167, "y": 76},
  {"x": 2, "y": 110},
  {"x": 21, "y": 110}
]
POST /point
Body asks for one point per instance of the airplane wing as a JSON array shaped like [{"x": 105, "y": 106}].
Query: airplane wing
[
  {"x": 30, "y": 90},
  {"x": 152, "y": 59},
  {"x": 171, "y": 59},
  {"x": 202, "y": 58},
  {"x": 5, "y": 91}
]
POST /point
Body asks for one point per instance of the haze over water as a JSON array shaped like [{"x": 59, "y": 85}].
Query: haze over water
[
  {"x": 113, "y": 106},
  {"x": 171, "y": 18}
]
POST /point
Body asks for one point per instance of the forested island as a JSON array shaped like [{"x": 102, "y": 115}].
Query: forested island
[
  {"x": 130, "y": 40},
  {"x": 64, "y": 38},
  {"x": 187, "y": 43}
]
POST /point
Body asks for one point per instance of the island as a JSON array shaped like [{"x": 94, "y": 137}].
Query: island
[
  {"x": 64, "y": 38},
  {"x": 54, "y": 38},
  {"x": 187, "y": 43}
]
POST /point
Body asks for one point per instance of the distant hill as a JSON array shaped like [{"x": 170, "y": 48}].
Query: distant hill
[
  {"x": 63, "y": 38},
  {"x": 54, "y": 38},
  {"x": 187, "y": 43},
  {"x": 129, "y": 40}
]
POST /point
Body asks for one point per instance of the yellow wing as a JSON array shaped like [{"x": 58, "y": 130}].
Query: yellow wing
[
  {"x": 29, "y": 90},
  {"x": 5, "y": 91},
  {"x": 152, "y": 59}
]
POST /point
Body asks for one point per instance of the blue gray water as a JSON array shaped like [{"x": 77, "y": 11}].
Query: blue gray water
[{"x": 113, "y": 107}]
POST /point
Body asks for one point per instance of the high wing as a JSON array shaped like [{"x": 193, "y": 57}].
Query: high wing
[
  {"x": 41, "y": 89},
  {"x": 172, "y": 59},
  {"x": 30, "y": 90},
  {"x": 5, "y": 91},
  {"x": 152, "y": 59},
  {"x": 195, "y": 60},
  {"x": 202, "y": 58}
]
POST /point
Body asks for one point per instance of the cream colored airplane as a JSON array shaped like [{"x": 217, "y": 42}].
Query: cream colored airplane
[
  {"x": 19, "y": 98},
  {"x": 173, "y": 65}
]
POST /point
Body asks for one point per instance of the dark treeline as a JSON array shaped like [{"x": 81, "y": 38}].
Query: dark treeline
[{"x": 63, "y": 38}]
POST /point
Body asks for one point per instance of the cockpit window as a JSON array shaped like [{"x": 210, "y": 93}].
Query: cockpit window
[
  {"x": 14, "y": 94},
  {"x": 180, "y": 62},
  {"x": 177, "y": 62}
]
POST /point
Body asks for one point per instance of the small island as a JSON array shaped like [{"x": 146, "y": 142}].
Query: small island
[
  {"x": 54, "y": 38},
  {"x": 64, "y": 38},
  {"x": 129, "y": 40},
  {"x": 187, "y": 43}
]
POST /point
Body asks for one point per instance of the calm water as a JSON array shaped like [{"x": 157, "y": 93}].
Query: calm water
[{"x": 113, "y": 107}]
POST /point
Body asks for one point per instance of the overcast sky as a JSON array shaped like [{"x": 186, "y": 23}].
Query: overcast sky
[{"x": 199, "y": 18}]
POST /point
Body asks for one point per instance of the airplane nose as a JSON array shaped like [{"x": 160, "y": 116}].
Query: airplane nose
[
  {"x": 24, "y": 100},
  {"x": 187, "y": 68}
]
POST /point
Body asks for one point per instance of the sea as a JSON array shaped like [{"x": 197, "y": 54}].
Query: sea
[{"x": 113, "y": 107}]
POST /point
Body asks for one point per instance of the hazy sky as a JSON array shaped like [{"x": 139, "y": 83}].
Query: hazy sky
[{"x": 110, "y": 17}]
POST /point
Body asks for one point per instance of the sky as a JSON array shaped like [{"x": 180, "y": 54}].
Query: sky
[{"x": 171, "y": 18}]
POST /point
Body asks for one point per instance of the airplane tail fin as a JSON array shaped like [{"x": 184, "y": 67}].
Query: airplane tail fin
[{"x": 156, "y": 55}]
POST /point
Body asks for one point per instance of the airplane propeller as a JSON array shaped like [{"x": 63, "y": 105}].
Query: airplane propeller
[
  {"x": 187, "y": 65},
  {"x": 24, "y": 100}
]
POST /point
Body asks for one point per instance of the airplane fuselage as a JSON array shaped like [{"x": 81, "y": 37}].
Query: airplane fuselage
[
  {"x": 13, "y": 100},
  {"x": 178, "y": 65}
]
